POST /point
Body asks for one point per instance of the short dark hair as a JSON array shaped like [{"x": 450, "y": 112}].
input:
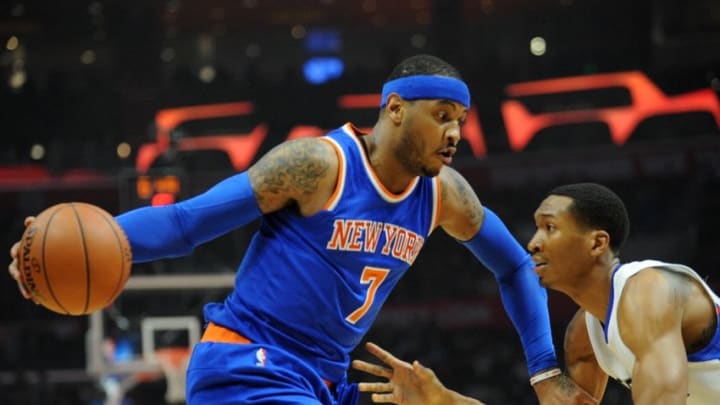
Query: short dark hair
[
  {"x": 598, "y": 207},
  {"x": 423, "y": 65}
]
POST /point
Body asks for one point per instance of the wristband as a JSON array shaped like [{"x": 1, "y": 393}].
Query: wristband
[{"x": 553, "y": 372}]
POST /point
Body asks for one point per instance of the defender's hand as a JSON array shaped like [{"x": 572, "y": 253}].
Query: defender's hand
[{"x": 408, "y": 384}]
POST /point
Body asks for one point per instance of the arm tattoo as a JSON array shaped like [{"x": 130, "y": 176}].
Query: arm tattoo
[
  {"x": 466, "y": 199},
  {"x": 294, "y": 168},
  {"x": 566, "y": 384}
]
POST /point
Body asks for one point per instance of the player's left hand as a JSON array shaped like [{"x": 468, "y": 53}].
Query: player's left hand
[{"x": 562, "y": 390}]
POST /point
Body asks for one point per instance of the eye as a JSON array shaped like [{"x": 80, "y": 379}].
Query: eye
[
  {"x": 442, "y": 116},
  {"x": 549, "y": 227}
]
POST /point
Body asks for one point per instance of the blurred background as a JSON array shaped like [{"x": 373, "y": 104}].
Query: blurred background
[{"x": 129, "y": 103}]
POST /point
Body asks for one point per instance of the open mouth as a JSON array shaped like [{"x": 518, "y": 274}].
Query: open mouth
[{"x": 446, "y": 155}]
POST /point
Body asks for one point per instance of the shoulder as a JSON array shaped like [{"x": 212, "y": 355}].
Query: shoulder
[
  {"x": 653, "y": 288},
  {"x": 461, "y": 211},
  {"x": 451, "y": 179},
  {"x": 651, "y": 305},
  {"x": 303, "y": 171},
  {"x": 314, "y": 148},
  {"x": 303, "y": 153}
]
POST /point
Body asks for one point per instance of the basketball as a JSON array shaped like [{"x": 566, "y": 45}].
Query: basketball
[{"x": 74, "y": 259}]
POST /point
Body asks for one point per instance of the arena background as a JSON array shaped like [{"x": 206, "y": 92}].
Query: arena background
[{"x": 93, "y": 98}]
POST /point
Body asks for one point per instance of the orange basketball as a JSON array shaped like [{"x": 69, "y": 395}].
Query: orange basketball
[{"x": 74, "y": 259}]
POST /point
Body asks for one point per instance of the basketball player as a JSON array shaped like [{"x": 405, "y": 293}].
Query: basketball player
[
  {"x": 343, "y": 217},
  {"x": 651, "y": 325}
]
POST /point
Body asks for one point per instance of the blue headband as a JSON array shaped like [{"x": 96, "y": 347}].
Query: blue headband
[{"x": 428, "y": 87}]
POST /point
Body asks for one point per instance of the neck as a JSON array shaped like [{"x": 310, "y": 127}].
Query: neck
[
  {"x": 380, "y": 152},
  {"x": 592, "y": 293}
]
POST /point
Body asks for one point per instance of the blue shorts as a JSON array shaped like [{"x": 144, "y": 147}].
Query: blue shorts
[{"x": 231, "y": 373}]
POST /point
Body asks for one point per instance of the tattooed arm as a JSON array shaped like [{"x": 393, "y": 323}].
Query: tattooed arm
[
  {"x": 650, "y": 323},
  {"x": 461, "y": 213},
  {"x": 302, "y": 172}
]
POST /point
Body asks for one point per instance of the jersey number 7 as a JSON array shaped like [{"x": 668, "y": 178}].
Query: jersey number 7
[{"x": 373, "y": 276}]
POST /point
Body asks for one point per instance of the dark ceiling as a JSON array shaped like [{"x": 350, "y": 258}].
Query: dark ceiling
[{"x": 35, "y": 16}]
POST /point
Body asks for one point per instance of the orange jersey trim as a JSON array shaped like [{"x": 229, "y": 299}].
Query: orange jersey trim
[
  {"x": 340, "y": 183},
  {"x": 220, "y": 334},
  {"x": 386, "y": 194},
  {"x": 437, "y": 203}
]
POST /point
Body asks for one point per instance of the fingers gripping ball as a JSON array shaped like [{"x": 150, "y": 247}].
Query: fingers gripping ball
[{"x": 74, "y": 259}]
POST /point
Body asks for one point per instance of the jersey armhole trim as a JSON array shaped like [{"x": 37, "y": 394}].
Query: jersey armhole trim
[
  {"x": 437, "y": 204},
  {"x": 340, "y": 184}
]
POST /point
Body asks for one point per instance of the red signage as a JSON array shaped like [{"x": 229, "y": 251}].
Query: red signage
[
  {"x": 522, "y": 125},
  {"x": 647, "y": 100}
]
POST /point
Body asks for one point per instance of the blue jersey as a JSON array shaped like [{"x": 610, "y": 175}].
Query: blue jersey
[{"x": 314, "y": 285}]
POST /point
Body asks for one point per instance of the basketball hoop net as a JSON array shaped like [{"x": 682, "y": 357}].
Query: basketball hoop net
[{"x": 174, "y": 363}]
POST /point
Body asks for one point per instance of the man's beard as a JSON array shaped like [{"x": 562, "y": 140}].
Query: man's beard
[{"x": 408, "y": 154}]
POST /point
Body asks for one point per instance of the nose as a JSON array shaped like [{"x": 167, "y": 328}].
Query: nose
[
  {"x": 453, "y": 134},
  {"x": 534, "y": 245}
]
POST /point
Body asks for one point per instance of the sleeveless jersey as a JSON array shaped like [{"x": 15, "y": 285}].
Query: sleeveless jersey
[
  {"x": 313, "y": 285},
  {"x": 616, "y": 359}
]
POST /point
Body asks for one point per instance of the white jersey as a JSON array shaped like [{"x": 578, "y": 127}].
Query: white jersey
[{"x": 616, "y": 359}]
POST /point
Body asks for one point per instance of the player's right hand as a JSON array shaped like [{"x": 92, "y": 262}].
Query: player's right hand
[
  {"x": 407, "y": 384},
  {"x": 13, "y": 268}
]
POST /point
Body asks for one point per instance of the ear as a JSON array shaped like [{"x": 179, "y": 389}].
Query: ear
[
  {"x": 395, "y": 108},
  {"x": 600, "y": 242}
]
